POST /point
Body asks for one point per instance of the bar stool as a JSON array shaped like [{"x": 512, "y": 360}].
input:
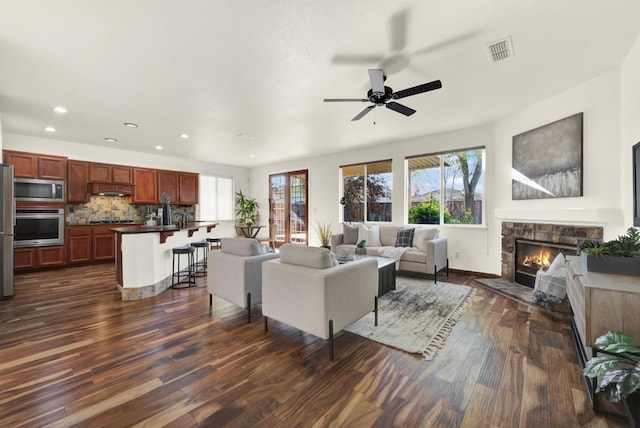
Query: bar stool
[
  {"x": 197, "y": 264},
  {"x": 177, "y": 276},
  {"x": 214, "y": 241}
]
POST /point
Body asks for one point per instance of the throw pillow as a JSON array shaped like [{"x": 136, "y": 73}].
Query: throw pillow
[
  {"x": 404, "y": 238},
  {"x": 349, "y": 234},
  {"x": 557, "y": 264},
  {"x": 370, "y": 234},
  {"x": 422, "y": 235}
]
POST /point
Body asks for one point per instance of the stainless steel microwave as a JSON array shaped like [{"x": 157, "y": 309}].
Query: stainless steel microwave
[{"x": 33, "y": 190}]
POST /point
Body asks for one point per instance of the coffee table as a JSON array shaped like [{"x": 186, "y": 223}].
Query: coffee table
[{"x": 386, "y": 272}]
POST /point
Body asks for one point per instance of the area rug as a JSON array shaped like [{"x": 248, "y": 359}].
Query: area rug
[{"x": 417, "y": 316}]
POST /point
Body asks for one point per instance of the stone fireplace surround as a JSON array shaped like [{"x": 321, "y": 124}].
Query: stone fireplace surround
[{"x": 555, "y": 233}]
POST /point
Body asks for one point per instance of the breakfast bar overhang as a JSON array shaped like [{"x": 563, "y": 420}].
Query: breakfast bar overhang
[{"x": 144, "y": 256}]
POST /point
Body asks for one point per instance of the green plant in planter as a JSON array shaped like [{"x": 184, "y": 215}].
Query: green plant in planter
[
  {"x": 165, "y": 199},
  {"x": 246, "y": 208},
  {"x": 619, "y": 369},
  {"x": 624, "y": 246},
  {"x": 324, "y": 232}
]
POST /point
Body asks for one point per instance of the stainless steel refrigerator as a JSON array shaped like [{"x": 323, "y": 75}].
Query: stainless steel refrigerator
[{"x": 7, "y": 223}]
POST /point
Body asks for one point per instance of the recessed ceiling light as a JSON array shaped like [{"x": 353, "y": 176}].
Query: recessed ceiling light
[
  {"x": 111, "y": 140},
  {"x": 50, "y": 129},
  {"x": 130, "y": 125},
  {"x": 159, "y": 147},
  {"x": 252, "y": 156},
  {"x": 185, "y": 136},
  {"x": 59, "y": 109}
]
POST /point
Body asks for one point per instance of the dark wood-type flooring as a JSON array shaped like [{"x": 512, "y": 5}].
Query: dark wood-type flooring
[{"x": 74, "y": 354}]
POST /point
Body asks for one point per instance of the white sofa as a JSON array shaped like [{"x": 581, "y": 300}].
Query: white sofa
[
  {"x": 427, "y": 252},
  {"x": 235, "y": 272},
  {"x": 308, "y": 290}
]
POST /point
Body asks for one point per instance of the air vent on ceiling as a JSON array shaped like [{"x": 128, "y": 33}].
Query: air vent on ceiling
[{"x": 500, "y": 50}]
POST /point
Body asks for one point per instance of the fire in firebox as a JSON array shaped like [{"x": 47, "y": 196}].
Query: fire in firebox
[{"x": 539, "y": 260}]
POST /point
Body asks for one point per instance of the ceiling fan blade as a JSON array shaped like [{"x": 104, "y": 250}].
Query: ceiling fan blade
[
  {"x": 398, "y": 30},
  {"x": 400, "y": 108},
  {"x": 345, "y": 100},
  {"x": 376, "y": 76},
  {"x": 436, "y": 84},
  {"x": 363, "y": 112}
]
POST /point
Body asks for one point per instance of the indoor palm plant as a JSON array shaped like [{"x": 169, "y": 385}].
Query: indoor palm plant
[
  {"x": 618, "y": 369},
  {"x": 246, "y": 208}
]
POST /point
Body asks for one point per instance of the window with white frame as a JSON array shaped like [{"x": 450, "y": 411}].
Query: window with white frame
[
  {"x": 216, "y": 198},
  {"x": 366, "y": 190},
  {"x": 446, "y": 188}
]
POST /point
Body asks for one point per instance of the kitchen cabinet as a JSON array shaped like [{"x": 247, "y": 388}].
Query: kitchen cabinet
[
  {"x": 168, "y": 183},
  {"x": 87, "y": 244},
  {"x": 146, "y": 186},
  {"x": 34, "y": 165},
  {"x": 78, "y": 242},
  {"x": 188, "y": 188},
  {"x": 77, "y": 181},
  {"x": 99, "y": 173},
  {"x": 112, "y": 174},
  {"x": 102, "y": 243},
  {"x": 182, "y": 187},
  {"x": 38, "y": 257},
  {"x": 121, "y": 174}
]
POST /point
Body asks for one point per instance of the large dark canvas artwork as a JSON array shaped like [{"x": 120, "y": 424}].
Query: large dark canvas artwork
[{"x": 547, "y": 161}]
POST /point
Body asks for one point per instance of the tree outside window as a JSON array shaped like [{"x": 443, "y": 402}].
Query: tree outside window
[
  {"x": 446, "y": 188},
  {"x": 367, "y": 192}
]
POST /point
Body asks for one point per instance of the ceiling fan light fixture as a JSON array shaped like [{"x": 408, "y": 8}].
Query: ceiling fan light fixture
[{"x": 500, "y": 50}]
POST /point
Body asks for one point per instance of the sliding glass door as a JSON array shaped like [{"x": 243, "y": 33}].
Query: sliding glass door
[{"x": 288, "y": 207}]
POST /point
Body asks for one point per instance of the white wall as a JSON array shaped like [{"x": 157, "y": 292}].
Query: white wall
[
  {"x": 123, "y": 157},
  {"x": 324, "y": 187},
  {"x": 630, "y": 125},
  {"x": 480, "y": 247}
]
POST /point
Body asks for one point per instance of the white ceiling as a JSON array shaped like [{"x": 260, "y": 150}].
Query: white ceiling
[{"x": 247, "y": 77}]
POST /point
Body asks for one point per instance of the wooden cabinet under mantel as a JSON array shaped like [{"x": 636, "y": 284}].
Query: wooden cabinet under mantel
[
  {"x": 35, "y": 165},
  {"x": 602, "y": 302}
]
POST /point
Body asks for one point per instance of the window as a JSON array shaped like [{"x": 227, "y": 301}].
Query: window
[
  {"x": 367, "y": 199},
  {"x": 446, "y": 188},
  {"x": 216, "y": 198}
]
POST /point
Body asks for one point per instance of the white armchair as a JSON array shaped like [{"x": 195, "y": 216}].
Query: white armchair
[
  {"x": 306, "y": 289},
  {"x": 235, "y": 272}
]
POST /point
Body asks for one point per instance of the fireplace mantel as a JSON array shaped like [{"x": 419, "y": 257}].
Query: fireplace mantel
[{"x": 574, "y": 216}]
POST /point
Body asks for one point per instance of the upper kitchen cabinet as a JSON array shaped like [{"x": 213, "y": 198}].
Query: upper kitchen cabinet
[
  {"x": 168, "y": 183},
  {"x": 121, "y": 174},
  {"x": 182, "y": 187},
  {"x": 99, "y": 173},
  {"x": 110, "y": 174},
  {"x": 77, "y": 181},
  {"x": 146, "y": 185},
  {"x": 188, "y": 188},
  {"x": 33, "y": 165}
]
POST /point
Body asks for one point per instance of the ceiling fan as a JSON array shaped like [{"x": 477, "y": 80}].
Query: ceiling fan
[{"x": 381, "y": 95}]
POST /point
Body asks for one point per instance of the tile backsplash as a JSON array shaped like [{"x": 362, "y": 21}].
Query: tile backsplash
[{"x": 110, "y": 208}]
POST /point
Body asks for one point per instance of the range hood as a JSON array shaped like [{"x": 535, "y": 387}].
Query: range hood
[{"x": 106, "y": 189}]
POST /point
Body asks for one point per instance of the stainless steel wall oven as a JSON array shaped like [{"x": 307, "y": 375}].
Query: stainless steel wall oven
[{"x": 37, "y": 227}]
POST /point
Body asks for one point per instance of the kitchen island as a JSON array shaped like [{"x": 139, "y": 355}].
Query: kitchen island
[{"x": 144, "y": 257}]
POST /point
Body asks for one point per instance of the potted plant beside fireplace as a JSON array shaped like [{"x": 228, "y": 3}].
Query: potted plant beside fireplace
[{"x": 620, "y": 256}]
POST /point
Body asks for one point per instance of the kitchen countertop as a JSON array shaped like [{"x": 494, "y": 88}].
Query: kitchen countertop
[{"x": 169, "y": 228}]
